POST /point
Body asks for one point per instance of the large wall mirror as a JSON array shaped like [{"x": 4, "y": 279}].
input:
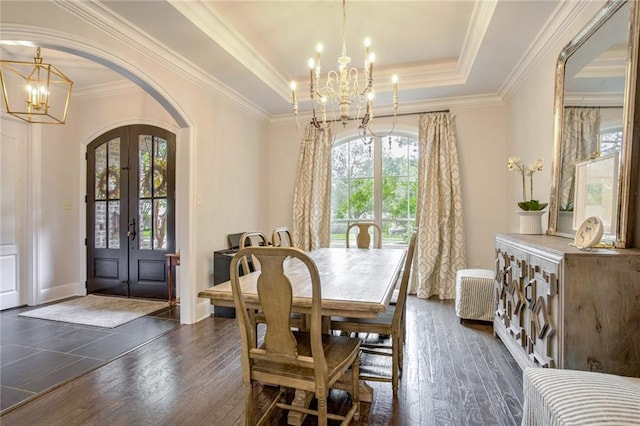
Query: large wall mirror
[{"x": 595, "y": 165}]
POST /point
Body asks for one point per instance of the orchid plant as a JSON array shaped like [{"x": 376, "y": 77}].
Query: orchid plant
[{"x": 515, "y": 163}]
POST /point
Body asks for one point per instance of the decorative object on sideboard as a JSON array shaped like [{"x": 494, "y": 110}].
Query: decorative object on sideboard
[
  {"x": 565, "y": 216},
  {"x": 589, "y": 233},
  {"x": 530, "y": 221},
  {"x": 531, "y": 210},
  {"x": 35, "y": 92}
]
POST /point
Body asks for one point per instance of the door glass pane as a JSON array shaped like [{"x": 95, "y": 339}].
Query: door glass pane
[
  {"x": 145, "y": 152},
  {"x": 144, "y": 219},
  {"x": 101, "y": 172},
  {"x": 114, "y": 224},
  {"x": 100, "y": 215},
  {"x": 160, "y": 221},
  {"x": 114, "y": 169},
  {"x": 160, "y": 168}
]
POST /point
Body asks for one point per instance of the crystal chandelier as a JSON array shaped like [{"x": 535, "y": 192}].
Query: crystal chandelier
[
  {"x": 342, "y": 88},
  {"x": 35, "y": 92}
]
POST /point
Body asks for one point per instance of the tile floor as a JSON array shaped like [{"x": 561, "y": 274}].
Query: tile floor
[{"x": 38, "y": 355}]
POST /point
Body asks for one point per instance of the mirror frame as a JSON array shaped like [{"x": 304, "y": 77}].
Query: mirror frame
[{"x": 628, "y": 182}]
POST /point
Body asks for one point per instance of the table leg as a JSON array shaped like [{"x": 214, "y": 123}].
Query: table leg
[
  {"x": 172, "y": 260},
  {"x": 169, "y": 285},
  {"x": 344, "y": 383},
  {"x": 301, "y": 399}
]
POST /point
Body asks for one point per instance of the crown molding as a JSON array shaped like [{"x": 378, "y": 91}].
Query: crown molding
[
  {"x": 563, "y": 16},
  {"x": 455, "y": 72},
  {"x": 459, "y": 102},
  {"x": 608, "y": 99},
  {"x": 479, "y": 23},
  {"x": 124, "y": 31},
  {"x": 204, "y": 16}
]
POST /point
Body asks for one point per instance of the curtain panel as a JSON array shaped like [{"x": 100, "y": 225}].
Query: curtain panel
[
  {"x": 580, "y": 142},
  {"x": 440, "y": 249},
  {"x": 312, "y": 193}
]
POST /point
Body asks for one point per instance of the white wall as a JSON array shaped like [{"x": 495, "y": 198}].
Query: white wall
[
  {"x": 236, "y": 172},
  {"x": 530, "y": 125},
  {"x": 221, "y": 171},
  {"x": 59, "y": 237},
  {"x": 481, "y": 151}
]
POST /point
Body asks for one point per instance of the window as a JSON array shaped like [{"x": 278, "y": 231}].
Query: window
[
  {"x": 375, "y": 181},
  {"x": 610, "y": 141}
]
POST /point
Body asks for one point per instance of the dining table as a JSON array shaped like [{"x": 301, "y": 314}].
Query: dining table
[{"x": 355, "y": 282}]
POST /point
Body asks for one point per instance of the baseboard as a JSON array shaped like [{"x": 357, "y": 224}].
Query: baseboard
[
  {"x": 59, "y": 292},
  {"x": 204, "y": 309}
]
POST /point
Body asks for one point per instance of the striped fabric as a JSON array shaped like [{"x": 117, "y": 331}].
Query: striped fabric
[
  {"x": 474, "y": 294},
  {"x": 569, "y": 397}
]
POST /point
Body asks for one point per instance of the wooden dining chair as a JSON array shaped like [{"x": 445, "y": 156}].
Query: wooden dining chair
[
  {"x": 309, "y": 361},
  {"x": 391, "y": 323},
  {"x": 363, "y": 239},
  {"x": 298, "y": 321},
  {"x": 252, "y": 239},
  {"x": 281, "y": 237}
]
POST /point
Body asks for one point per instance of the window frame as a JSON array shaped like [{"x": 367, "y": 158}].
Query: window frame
[{"x": 376, "y": 149}]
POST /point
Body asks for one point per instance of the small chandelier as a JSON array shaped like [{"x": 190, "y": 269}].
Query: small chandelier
[
  {"x": 342, "y": 88},
  {"x": 34, "y": 91}
]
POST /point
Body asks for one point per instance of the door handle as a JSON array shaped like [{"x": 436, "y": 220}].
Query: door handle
[{"x": 131, "y": 232}]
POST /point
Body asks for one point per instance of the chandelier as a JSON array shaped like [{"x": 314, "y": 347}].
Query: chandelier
[
  {"x": 35, "y": 92},
  {"x": 342, "y": 88}
]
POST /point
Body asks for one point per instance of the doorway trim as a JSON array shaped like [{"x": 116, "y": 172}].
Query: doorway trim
[{"x": 185, "y": 173}]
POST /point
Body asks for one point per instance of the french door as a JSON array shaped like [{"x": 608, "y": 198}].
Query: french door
[{"x": 130, "y": 211}]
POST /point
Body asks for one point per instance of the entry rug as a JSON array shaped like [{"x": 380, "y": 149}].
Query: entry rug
[{"x": 98, "y": 311}]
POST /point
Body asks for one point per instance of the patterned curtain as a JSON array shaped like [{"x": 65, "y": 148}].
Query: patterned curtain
[
  {"x": 580, "y": 142},
  {"x": 441, "y": 239},
  {"x": 312, "y": 194}
]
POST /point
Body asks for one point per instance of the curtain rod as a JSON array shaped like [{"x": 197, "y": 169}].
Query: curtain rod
[
  {"x": 594, "y": 106},
  {"x": 391, "y": 115}
]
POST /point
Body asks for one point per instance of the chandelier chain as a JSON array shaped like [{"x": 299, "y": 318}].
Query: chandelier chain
[{"x": 344, "y": 27}]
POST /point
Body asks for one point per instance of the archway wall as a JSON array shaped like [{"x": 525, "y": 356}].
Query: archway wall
[{"x": 221, "y": 174}]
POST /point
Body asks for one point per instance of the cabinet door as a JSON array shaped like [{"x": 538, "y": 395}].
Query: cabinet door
[
  {"x": 512, "y": 301},
  {"x": 500, "y": 286},
  {"x": 541, "y": 294}
]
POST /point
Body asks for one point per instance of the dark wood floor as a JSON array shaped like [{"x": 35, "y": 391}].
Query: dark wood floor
[
  {"x": 454, "y": 375},
  {"x": 37, "y": 355}
]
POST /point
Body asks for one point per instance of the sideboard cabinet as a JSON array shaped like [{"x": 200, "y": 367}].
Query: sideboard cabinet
[{"x": 560, "y": 307}]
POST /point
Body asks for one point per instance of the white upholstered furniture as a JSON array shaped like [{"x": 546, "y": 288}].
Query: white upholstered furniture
[
  {"x": 554, "y": 397},
  {"x": 474, "y": 294}
]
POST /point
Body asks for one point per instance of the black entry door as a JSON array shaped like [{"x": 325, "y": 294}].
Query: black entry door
[{"x": 130, "y": 211}]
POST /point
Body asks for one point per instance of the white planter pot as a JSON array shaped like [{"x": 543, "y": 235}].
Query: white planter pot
[
  {"x": 565, "y": 222},
  {"x": 531, "y": 221}
]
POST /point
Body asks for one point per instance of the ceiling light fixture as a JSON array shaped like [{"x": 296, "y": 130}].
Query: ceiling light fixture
[
  {"x": 35, "y": 92},
  {"x": 343, "y": 87}
]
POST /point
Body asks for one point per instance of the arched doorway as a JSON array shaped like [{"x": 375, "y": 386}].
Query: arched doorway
[{"x": 130, "y": 211}]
